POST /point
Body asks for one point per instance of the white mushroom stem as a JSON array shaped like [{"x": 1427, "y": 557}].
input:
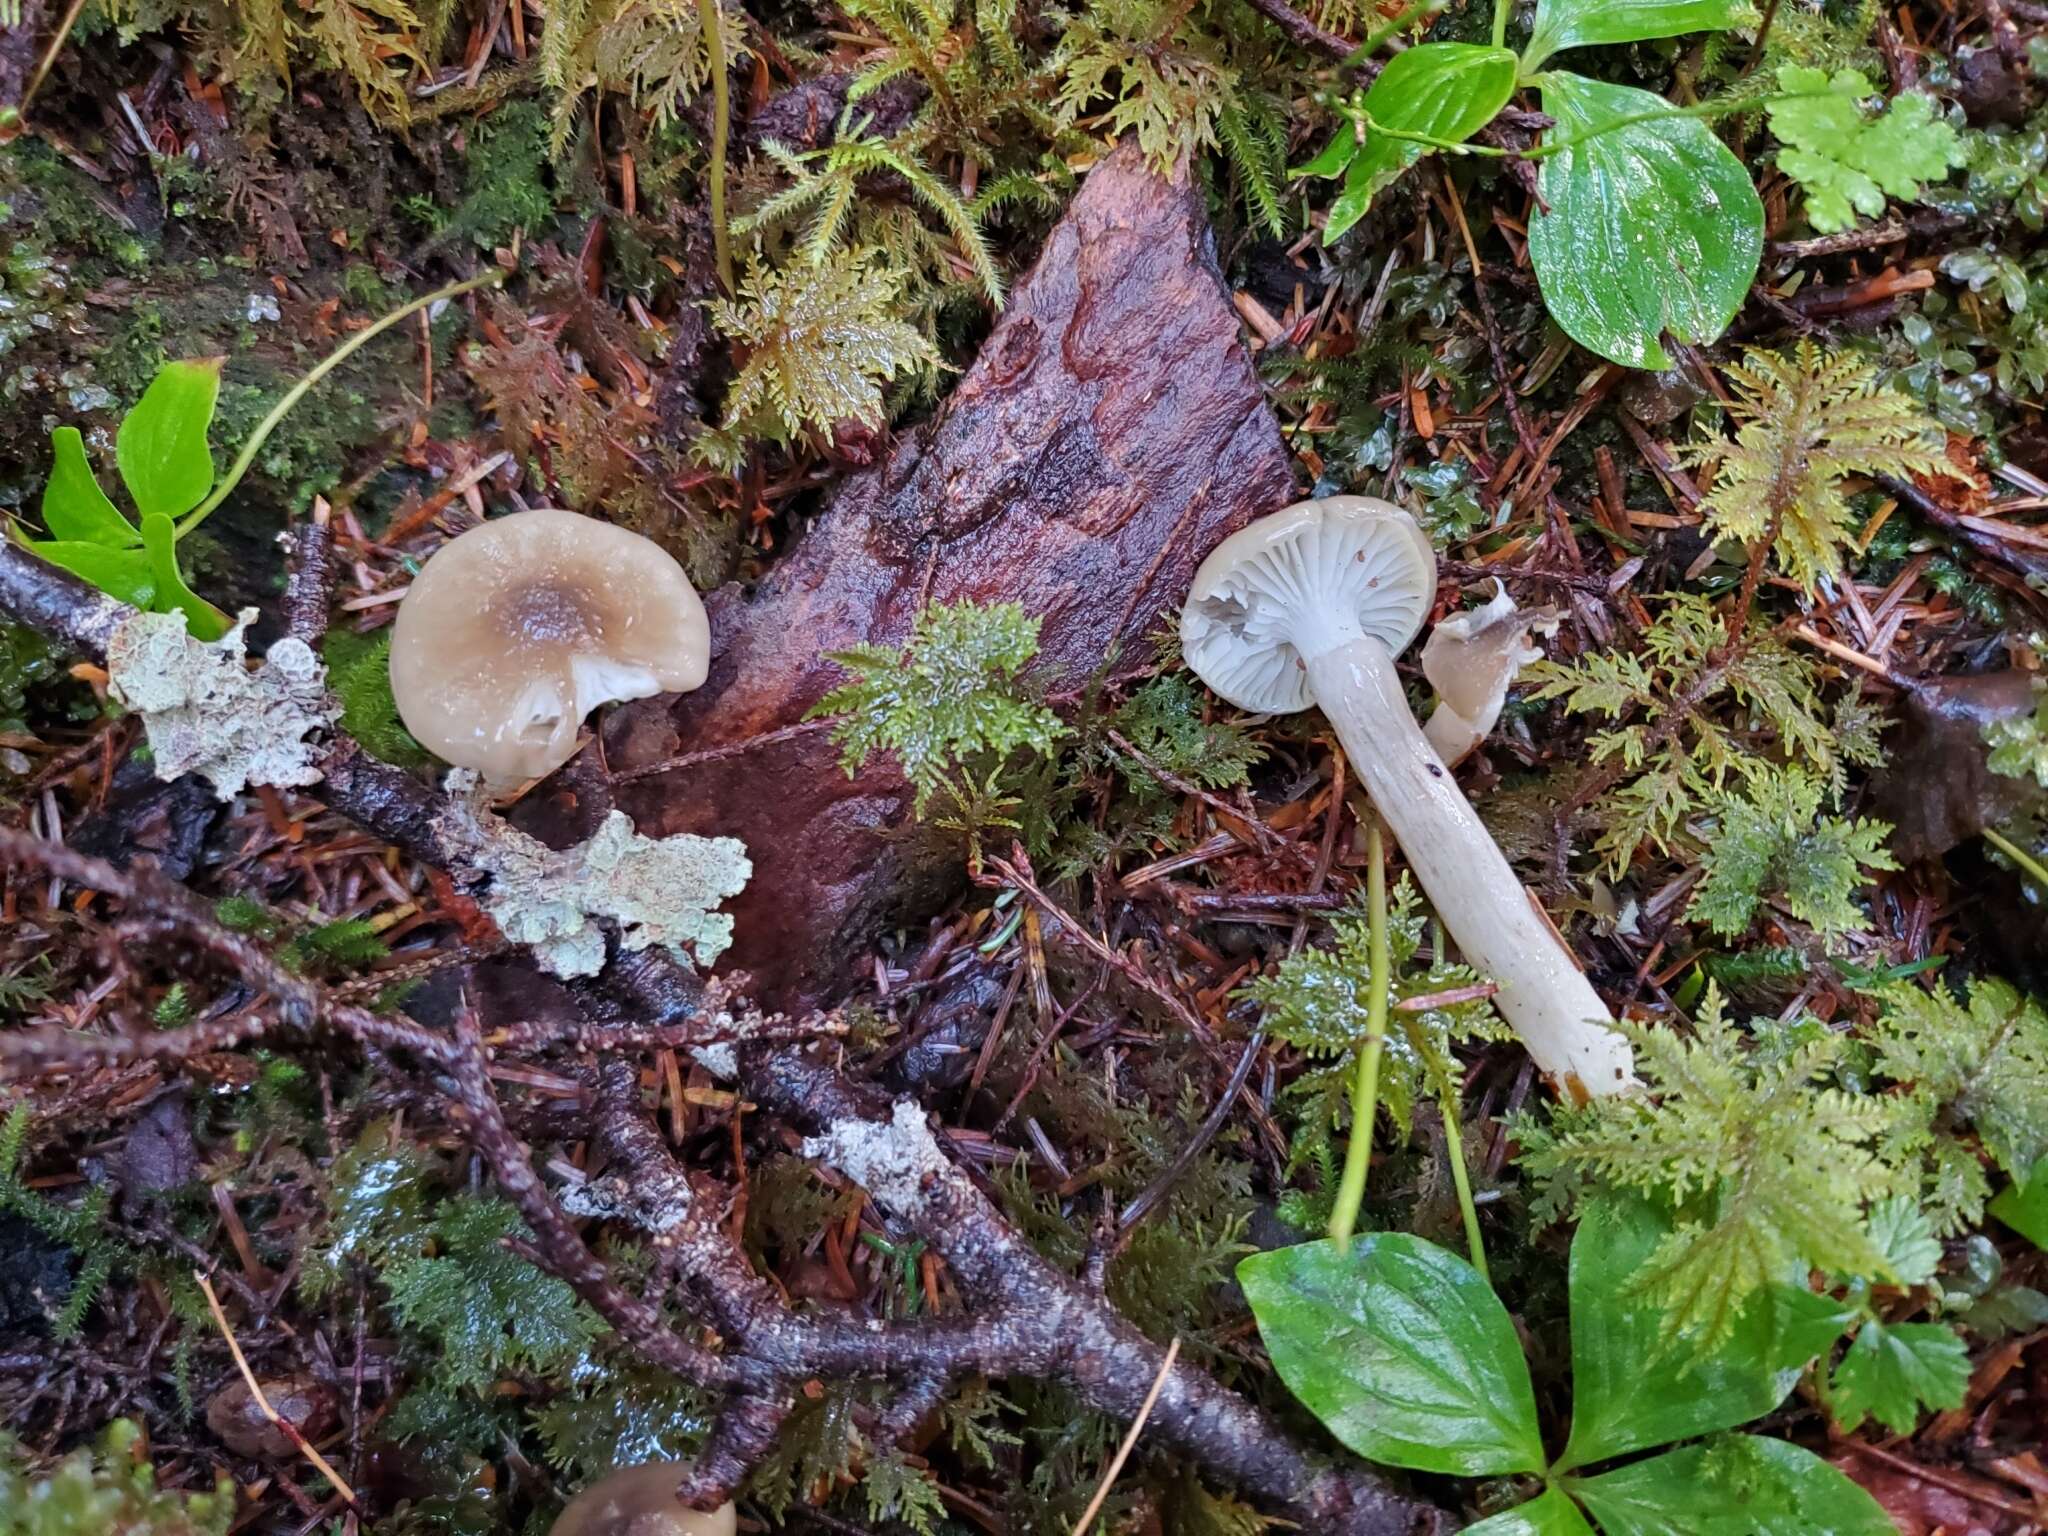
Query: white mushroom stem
[{"x": 1544, "y": 996}]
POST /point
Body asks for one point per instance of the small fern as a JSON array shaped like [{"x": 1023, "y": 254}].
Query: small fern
[
  {"x": 948, "y": 699},
  {"x": 1807, "y": 422},
  {"x": 1672, "y": 749},
  {"x": 1770, "y": 1168},
  {"x": 1769, "y": 836},
  {"x": 818, "y": 343},
  {"x": 1148, "y": 70},
  {"x": 1982, "y": 1062}
]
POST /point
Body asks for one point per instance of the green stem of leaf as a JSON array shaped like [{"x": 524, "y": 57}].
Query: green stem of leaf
[
  {"x": 1365, "y": 1089},
  {"x": 1500, "y": 22},
  {"x": 341, "y": 354},
  {"x": 2030, "y": 866},
  {"x": 1461, "y": 1178},
  {"x": 1707, "y": 111},
  {"x": 721, "y": 125}
]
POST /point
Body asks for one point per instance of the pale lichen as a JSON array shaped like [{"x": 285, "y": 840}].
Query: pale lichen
[
  {"x": 657, "y": 890},
  {"x": 895, "y": 1161},
  {"x": 206, "y": 711}
]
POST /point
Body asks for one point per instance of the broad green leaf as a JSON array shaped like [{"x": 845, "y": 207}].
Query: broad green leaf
[
  {"x": 1402, "y": 1350},
  {"x": 2024, "y": 1207},
  {"x": 1336, "y": 154},
  {"x": 1653, "y": 225},
  {"x": 161, "y": 446},
  {"x": 1630, "y": 1389},
  {"x": 1739, "y": 1485},
  {"x": 1848, "y": 162},
  {"x": 1576, "y": 23},
  {"x": 1901, "y": 1229},
  {"x": 122, "y": 573},
  {"x": 1803, "y": 1324},
  {"x": 74, "y": 506},
  {"x": 1446, "y": 91},
  {"x": 203, "y": 621},
  {"x": 1894, "y": 1370},
  {"x": 1550, "y": 1513}
]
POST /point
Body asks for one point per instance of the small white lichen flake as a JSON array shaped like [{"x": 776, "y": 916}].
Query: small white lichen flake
[
  {"x": 206, "y": 711},
  {"x": 658, "y": 890},
  {"x": 895, "y": 1162}
]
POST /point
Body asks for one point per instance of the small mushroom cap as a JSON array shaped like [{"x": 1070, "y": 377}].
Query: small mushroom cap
[
  {"x": 517, "y": 629},
  {"x": 1299, "y": 583},
  {"x": 641, "y": 1501},
  {"x": 1471, "y": 659}
]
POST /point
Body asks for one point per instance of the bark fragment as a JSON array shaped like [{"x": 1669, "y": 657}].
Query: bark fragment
[{"x": 1110, "y": 433}]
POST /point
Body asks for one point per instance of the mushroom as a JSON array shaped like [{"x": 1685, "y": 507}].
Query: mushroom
[
  {"x": 1471, "y": 659},
  {"x": 641, "y": 1501},
  {"x": 1310, "y": 606},
  {"x": 517, "y": 629}
]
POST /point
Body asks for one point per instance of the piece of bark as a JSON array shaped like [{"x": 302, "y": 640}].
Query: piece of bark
[
  {"x": 1937, "y": 788},
  {"x": 1110, "y": 433}
]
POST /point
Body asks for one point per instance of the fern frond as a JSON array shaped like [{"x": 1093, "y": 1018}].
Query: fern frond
[{"x": 1808, "y": 421}]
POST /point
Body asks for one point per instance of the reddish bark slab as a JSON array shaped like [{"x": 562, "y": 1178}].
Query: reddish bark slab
[{"x": 1110, "y": 433}]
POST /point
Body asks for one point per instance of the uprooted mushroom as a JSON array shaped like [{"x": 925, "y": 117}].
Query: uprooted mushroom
[
  {"x": 516, "y": 630},
  {"x": 1311, "y": 606}
]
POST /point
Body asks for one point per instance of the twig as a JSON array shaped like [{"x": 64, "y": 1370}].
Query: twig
[
  {"x": 283, "y": 1425},
  {"x": 1303, "y": 32},
  {"x": 1123, "y": 1452}
]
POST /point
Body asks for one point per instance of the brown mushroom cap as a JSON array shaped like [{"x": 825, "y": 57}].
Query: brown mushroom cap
[
  {"x": 641, "y": 1501},
  {"x": 519, "y": 628}
]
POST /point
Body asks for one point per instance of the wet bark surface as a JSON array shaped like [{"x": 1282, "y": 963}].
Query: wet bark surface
[{"x": 1111, "y": 432}]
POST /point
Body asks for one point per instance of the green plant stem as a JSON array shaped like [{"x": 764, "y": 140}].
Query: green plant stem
[
  {"x": 1500, "y": 22},
  {"x": 1365, "y": 1088},
  {"x": 341, "y": 354},
  {"x": 721, "y": 124},
  {"x": 1454, "y": 1144},
  {"x": 2029, "y": 865}
]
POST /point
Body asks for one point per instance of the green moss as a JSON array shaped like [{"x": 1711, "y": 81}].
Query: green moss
[
  {"x": 112, "y": 1488},
  {"x": 507, "y": 183},
  {"x": 55, "y": 207}
]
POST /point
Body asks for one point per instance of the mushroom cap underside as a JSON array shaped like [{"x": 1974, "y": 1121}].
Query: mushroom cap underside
[
  {"x": 515, "y": 630},
  {"x": 1309, "y": 576}
]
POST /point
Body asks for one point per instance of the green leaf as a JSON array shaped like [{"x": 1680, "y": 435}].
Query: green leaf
[
  {"x": 1550, "y": 1513},
  {"x": 74, "y": 507},
  {"x": 160, "y": 538},
  {"x": 2024, "y": 1207},
  {"x": 1893, "y": 1370},
  {"x": 1653, "y": 224},
  {"x": 1402, "y": 1350},
  {"x": 161, "y": 446},
  {"x": 1739, "y": 1485},
  {"x": 1621, "y": 1401},
  {"x": 122, "y": 573},
  {"x": 1848, "y": 162},
  {"x": 1902, "y": 1230},
  {"x": 1577, "y": 23},
  {"x": 1338, "y": 153},
  {"x": 1444, "y": 90}
]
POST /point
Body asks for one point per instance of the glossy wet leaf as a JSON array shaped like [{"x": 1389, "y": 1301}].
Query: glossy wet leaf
[
  {"x": 1402, "y": 1350},
  {"x": 161, "y": 446},
  {"x": 1551, "y": 1513},
  {"x": 1442, "y": 90},
  {"x": 74, "y": 506},
  {"x": 1740, "y": 1485},
  {"x": 1630, "y": 1390},
  {"x": 122, "y": 573},
  {"x": 203, "y": 621},
  {"x": 2024, "y": 1207},
  {"x": 1653, "y": 225},
  {"x": 1575, "y": 23}
]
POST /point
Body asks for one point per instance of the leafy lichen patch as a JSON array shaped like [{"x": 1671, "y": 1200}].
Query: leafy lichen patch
[
  {"x": 207, "y": 712},
  {"x": 895, "y": 1162},
  {"x": 658, "y": 890}
]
